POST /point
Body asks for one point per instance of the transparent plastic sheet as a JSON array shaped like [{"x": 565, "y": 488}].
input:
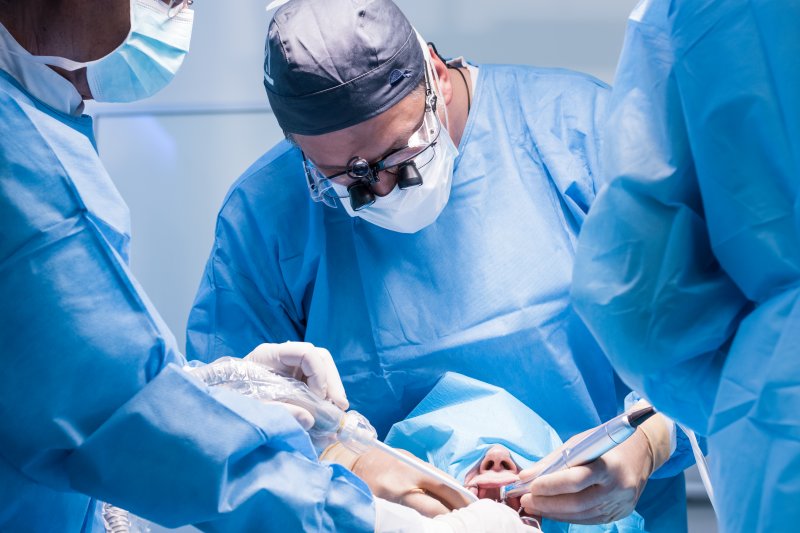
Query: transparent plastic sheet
[
  {"x": 118, "y": 520},
  {"x": 259, "y": 382}
]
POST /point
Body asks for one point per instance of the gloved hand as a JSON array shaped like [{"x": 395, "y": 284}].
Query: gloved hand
[
  {"x": 395, "y": 481},
  {"x": 307, "y": 363},
  {"x": 483, "y": 516},
  {"x": 606, "y": 489}
]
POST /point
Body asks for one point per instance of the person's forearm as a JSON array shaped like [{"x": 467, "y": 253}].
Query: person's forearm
[{"x": 180, "y": 454}]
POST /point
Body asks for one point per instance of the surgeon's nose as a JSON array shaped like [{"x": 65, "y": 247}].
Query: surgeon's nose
[
  {"x": 498, "y": 459},
  {"x": 385, "y": 184}
]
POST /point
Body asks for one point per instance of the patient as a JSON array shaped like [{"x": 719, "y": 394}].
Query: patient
[
  {"x": 495, "y": 470},
  {"x": 484, "y": 437}
]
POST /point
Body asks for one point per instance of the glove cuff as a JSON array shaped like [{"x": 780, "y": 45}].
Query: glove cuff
[
  {"x": 656, "y": 431},
  {"x": 396, "y": 518},
  {"x": 340, "y": 454}
]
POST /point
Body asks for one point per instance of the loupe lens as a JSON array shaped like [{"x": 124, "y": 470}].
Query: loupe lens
[
  {"x": 361, "y": 196},
  {"x": 359, "y": 168},
  {"x": 408, "y": 176}
]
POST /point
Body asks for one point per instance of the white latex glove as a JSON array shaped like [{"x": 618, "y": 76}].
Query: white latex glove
[
  {"x": 605, "y": 490},
  {"x": 306, "y": 362},
  {"x": 303, "y": 416},
  {"x": 484, "y": 516}
]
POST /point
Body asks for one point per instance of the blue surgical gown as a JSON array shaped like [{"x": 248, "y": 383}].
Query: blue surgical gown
[
  {"x": 93, "y": 403},
  {"x": 688, "y": 270},
  {"x": 483, "y": 291}
]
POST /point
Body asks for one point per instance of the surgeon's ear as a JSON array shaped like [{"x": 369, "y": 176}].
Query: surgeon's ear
[{"x": 444, "y": 76}]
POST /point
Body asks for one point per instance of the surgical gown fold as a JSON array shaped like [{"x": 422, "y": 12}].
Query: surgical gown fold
[{"x": 688, "y": 268}]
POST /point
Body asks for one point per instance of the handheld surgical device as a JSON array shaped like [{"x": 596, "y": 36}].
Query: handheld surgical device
[{"x": 599, "y": 441}]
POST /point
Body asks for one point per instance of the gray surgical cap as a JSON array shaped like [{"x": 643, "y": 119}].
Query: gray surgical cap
[{"x": 330, "y": 64}]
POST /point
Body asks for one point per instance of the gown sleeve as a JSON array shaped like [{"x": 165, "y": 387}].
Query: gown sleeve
[
  {"x": 92, "y": 397},
  {"x": 645, "y": 280},
  {"x": 688, "y": 270}
]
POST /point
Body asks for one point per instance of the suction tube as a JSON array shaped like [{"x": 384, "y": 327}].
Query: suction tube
[
  {"x": 425, "y": 469},
  {"x": 702, "y": 465}
]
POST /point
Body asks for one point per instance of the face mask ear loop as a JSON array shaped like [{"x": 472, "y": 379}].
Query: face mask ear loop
[
  {"x": 177, "y": 6},
  {"x": 433, "y": 78},
  {"x": 439, "y": 95},
  {"x": 55, "y": 61}
]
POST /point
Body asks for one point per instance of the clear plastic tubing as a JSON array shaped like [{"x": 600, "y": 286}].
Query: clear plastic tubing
[
  {"x": 424, "y": 469},
  {"x": 330, "y": 422},
  {"x": 702, "y": 465}
]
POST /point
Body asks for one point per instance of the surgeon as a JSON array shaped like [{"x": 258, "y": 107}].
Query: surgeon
[
  {"x": 421, "y": 218},
  {"x": 93, "y": 401},
  {"x": 688, "y": 267}
]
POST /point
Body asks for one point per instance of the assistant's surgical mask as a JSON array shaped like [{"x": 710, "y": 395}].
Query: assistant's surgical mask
[{"x": 148, "y": 58}]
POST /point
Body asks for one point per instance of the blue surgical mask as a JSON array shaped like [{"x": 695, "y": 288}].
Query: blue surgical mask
[{"x": 145, "y": 62}]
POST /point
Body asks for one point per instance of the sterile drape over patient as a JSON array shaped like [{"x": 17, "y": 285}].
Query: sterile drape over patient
[
  {"x": 461, "y": 419},
  {"x": 688, "y": 266}
]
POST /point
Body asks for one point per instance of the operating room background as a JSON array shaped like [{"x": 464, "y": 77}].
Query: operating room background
[{"x": 174, "y": 156}]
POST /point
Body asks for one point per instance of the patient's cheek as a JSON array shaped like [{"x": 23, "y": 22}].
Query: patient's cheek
[{"x": 470, "y": 476}]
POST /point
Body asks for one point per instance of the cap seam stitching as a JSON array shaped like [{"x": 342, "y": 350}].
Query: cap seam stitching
[{"x": 341, "y": 85}]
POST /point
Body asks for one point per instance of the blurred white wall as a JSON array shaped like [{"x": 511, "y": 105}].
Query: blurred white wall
[{"x": 228, "y": 41}]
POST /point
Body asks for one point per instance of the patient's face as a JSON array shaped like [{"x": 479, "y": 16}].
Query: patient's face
[{"x": 495, "y": 470}]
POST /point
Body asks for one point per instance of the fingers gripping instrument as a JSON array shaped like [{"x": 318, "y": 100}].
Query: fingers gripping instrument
[{"x": 599, "y": 441}]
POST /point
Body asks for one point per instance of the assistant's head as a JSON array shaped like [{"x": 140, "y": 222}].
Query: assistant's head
[
  {"x": 357, "y": 90},
  {"x": 116, "y": 51}
]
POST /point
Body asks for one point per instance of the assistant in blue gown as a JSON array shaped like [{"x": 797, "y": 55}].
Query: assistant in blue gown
[
  {"x": 93, "y": 402},
  {"x": 688, "y": 269},
  {"x": 483, "y": 291}
]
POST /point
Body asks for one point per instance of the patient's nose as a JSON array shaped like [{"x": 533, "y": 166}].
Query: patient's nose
[{"x": 497, "y": 459}]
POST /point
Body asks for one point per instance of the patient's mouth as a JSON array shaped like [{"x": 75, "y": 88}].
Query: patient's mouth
[{"x": 487, "y": 485}]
